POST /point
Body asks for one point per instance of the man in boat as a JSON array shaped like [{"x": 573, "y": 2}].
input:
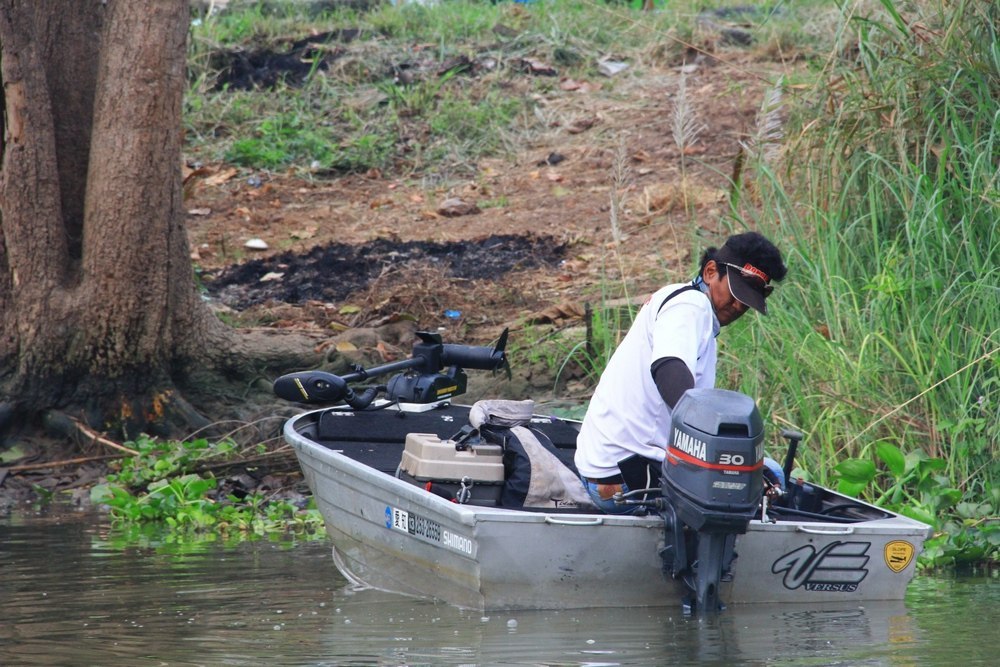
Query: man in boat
[{"x": 669, "y": 349}]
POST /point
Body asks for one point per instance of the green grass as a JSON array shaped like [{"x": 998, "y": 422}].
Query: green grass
[{"x": 356, "y": 115}]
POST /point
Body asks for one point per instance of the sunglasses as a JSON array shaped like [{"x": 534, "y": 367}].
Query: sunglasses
[{"x": 757, "y": 277}]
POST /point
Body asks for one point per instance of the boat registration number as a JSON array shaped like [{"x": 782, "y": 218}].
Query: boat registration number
[{"x": 422, "y": 527}]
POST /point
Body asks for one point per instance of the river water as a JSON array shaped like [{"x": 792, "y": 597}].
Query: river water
[{"x": 72, "y": 594}]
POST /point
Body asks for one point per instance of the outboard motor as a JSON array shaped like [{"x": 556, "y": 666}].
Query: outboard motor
[{"x": 712, "y": 486}]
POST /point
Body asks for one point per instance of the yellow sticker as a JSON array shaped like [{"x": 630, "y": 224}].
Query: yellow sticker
[
  {"x": 301, "y": 388},
  {"x": 898, "y": 555}
]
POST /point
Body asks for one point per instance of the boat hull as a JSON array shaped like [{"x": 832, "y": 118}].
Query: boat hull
[{"x": 393, "y": 535}]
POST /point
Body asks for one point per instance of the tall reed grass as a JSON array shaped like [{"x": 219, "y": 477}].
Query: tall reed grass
[{"x": 886, "y": 337}]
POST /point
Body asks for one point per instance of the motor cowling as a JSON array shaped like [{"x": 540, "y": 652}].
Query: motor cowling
[
  {"x": 713, "y": 467},
  {"x": 712, "y": 486}
]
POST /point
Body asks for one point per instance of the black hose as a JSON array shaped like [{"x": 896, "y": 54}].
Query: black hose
[
  {"x": 846, "y": 506},
  {"x": 361, "y": 401},
  {"x": 777, "y": 509}
]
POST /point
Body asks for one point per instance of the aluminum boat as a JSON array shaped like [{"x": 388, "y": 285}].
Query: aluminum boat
[
  {"x": 426, "y": 497},
  {"x": 392, "y": 534}
]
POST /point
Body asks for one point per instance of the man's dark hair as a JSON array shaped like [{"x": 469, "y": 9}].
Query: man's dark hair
[{"x": 752, "y": 248}]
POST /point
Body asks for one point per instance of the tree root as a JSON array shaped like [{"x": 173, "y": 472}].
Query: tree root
[
  {"x": 59, "y": 464},
  {"x": 221, "y": 390},
  {"x": 66, "y": 426}
]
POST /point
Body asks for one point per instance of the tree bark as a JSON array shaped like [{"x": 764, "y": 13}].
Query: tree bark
[{"x": 100, "y": 312}]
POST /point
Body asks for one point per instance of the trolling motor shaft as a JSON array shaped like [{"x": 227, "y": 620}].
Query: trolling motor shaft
[{"x": 419, "y": 380}]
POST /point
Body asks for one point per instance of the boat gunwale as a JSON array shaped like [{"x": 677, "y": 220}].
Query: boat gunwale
[{"x": 469, "y": 515}]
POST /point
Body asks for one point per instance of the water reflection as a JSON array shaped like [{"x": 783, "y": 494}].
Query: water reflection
[{"x": 69, "y": 595}]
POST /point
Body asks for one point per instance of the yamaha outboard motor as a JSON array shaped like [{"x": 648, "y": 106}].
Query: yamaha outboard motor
[{"x": 711, "y": 486}]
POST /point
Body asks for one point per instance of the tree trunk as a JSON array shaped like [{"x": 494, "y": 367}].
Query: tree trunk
[{"x": 100, "y": 312}]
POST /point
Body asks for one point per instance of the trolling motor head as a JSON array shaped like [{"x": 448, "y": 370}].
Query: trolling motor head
[
  {"x": 427, "y": 384},
  {"x": 421, "y": 379},
  {"x": 712, "y": 485}
]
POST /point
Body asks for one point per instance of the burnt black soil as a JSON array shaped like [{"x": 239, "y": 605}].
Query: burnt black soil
[
  {"x": 334, "y": 272},
  {"x": 242, "y": 69},
  {"x": 264, "y": 68}
]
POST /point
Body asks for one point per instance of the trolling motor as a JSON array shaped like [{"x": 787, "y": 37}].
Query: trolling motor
[
  {"x": 421, "y": 380},
  {"x": 711, "y": 486}
]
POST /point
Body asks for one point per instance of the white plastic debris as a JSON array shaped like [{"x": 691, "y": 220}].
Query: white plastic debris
[{"x": 611, "y": 67}]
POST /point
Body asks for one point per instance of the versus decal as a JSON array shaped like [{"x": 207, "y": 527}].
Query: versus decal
[
  {"x": 418, "y": 526},
  {"x": 838, "y": 567}
]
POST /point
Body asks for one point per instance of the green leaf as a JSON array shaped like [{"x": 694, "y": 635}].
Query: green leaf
[
  {"x": 857, "y": 471},
  {"x": 158, "y": 485},
  {"x": 849, "y": 488},
  {"x": 195, "y": 486},
  {"x": 13, "y": 453},
  {"x": 100, "y": 493},
  {"x": 928, "y": 467},
  {"x": 972, "y": 510},
  {"x": 949, "y": 497},
  {"x": 971, "y": 554},
  {"x": 892, "y": 457},
  {"x": 919, "y": 515}
]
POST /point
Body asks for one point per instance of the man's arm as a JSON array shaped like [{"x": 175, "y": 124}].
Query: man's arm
[{"x": 672, "y": 378}]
